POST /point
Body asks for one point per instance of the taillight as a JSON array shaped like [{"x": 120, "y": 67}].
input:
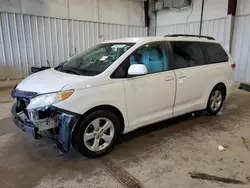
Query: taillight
[{"x": 233, "y": 66}]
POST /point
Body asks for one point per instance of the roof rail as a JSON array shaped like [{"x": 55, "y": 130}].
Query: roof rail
[{"x": 183, "y": 35}]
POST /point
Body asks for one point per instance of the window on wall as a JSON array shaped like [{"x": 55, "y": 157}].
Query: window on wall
[
  {"x": 153, "y": 56},
  {"x": 215, "y": 52},
  {"x": 188, "y": 54}
]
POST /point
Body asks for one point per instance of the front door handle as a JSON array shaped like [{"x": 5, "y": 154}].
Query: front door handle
[{"x": 169, "y": 78}]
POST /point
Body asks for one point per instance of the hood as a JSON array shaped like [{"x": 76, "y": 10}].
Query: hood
[{"x": 49, "y": 81}]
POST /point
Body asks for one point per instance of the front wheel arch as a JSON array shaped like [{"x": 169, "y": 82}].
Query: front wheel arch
[
  {"x": 110, "y": 108},
  {"x": 97, "y": 132}
]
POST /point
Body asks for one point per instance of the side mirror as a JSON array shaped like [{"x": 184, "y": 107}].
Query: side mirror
[{"x": 137, "y": 69}]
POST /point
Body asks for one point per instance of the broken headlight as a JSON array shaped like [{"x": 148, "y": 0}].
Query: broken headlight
[{"x": 49, "y": 99}]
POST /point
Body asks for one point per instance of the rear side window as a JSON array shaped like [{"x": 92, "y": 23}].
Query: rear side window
[
  {"x": 188, "y": 54},
  {"x": 215, "y": 52}
]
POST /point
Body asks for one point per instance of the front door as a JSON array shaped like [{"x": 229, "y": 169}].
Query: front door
[{"x": 150, "y": 98}]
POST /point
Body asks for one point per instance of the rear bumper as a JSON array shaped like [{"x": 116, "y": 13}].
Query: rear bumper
[
  {"x": 61, "y": 135},
  {"x": 230, "y": 87}
]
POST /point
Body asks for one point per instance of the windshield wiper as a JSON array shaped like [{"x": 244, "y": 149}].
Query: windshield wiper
[
  {"x": 72, "y": 71},
  {"x": 60, "y": 66},
  {"x": 90, "y": 72}
]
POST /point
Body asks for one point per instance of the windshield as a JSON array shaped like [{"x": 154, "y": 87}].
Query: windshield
[{"x": 94, "y": 60}]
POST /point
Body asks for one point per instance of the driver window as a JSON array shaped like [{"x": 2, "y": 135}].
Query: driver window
[{"x": 153, "y": 56}]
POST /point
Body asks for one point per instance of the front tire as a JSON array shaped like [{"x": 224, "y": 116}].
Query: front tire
[
  {"x": 97, "y": 133},
  {"x": 215, "y": 100}
]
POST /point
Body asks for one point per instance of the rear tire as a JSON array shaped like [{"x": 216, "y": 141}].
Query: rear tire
[
  {"x": 97, "y": 133},
  {"x": 215, "y": 100}
]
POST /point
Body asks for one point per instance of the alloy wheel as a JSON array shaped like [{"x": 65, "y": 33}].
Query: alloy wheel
[
  {"x": 216, "y": 100},
  {"x": 99, "y": 134}
]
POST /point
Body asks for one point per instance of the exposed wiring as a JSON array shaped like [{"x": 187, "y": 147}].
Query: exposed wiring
[{"x": 189, "y": 15}]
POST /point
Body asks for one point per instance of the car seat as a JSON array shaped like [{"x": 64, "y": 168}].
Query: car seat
[
  {"x": 135, "y": 58},
  {"x": 154, "y": 62}
]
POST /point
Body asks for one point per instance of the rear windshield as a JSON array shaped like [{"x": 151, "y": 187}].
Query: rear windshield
[
  {"x": 94, "y": 60},
  {"x": 215, "y": 52}
]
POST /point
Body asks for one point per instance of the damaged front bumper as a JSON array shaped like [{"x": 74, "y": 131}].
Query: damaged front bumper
[{"x": 50, "y": 122}]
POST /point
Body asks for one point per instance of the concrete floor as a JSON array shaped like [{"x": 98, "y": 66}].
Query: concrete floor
[{"x": 161, "y": 155}]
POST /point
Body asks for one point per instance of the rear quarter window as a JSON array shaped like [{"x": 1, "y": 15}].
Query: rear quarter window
[{"x": 215, "y": 52}]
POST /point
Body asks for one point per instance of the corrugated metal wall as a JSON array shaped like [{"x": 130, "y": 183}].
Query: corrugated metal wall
[
  {"x": 220, "y": 29},
  {"x": 243, "y": 7},
  {"x": 215, "y": 28},
  {"x": 241, "y": 48},
  {"x": 27, "y": 41},
  {"x": 241, "y": 42}
]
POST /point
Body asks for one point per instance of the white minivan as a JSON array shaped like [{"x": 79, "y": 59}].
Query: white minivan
[{"x": 120, "y": 85}]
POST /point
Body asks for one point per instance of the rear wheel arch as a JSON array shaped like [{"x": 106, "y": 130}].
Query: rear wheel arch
[
  {"x": 216, "y": 98},
  {"x": 223, "y": 87}
]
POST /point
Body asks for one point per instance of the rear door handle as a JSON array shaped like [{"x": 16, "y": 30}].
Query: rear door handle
[{"x": 182, "y": 76}]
